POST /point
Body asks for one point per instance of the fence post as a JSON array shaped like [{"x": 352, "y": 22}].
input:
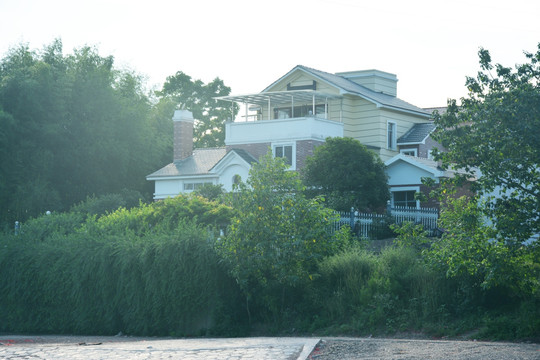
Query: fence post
[{"x": 351, "y": 221}]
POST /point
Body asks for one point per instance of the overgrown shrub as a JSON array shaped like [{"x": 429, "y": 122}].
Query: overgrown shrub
[
  {"x": 105, "y": 277},
  {"x": 275, "y": 240},
  {"x": 390, "y": 291},
  {"x": 101, "y": 205}
]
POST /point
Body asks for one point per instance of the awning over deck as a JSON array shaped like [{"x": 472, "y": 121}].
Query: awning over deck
[{"x": 282, "y": 97}]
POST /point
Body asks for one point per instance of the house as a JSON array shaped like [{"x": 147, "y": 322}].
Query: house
[{"x": 293, "y": 116}]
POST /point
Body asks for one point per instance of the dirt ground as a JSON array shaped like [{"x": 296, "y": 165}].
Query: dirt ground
[
  {"x": 341, "y": 348},
  {"x": 387, "y": 349}
]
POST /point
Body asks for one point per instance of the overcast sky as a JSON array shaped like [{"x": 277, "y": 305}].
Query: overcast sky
[{"x": 430, "y": 45}]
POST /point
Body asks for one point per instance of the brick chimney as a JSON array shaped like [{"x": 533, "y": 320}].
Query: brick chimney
[{"x": 183, "y": 134}]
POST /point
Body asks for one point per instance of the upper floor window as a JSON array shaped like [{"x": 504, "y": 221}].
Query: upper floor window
[
  {"x": 285, "y": 151},
  {"x": 391, "y": 135},
  {"x": 298, "y": 111},
  {"x": 410, "y": 152}
]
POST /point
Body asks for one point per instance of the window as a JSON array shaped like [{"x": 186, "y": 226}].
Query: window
[
  {"x": 410, "y": 152},
  {"x": 404, "y": 198},
  {"x": 194, "y": 186},
  {"x": 299, "y": 111},
  {"x": 391, "y": 135},
  {"x": 287, "y": 152}
]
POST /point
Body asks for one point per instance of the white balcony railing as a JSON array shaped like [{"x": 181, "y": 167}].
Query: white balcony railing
[{"x": 303, "y": 128}]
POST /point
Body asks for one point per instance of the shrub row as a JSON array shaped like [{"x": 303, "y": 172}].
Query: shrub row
[
  {"x": 107, "y": 275},
  {"x": 154, "y": 270}
]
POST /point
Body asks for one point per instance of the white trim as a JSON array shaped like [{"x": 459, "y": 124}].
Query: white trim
[
  {"x": 293, "y": 151},
  {"x": 393, "y": 145},
  {"x": 414, "y": 150},
  {"x": 226, "y": 161},
  {"x": 414, "y": 162},
  {"x": 182, "y": 177}
]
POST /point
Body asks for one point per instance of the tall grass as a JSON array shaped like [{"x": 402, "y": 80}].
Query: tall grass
[{"x": 114, "y": 274}]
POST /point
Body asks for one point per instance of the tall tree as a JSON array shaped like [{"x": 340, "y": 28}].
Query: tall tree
[
  {"x": 347, "y": 174},
  {"x": 277, "y": 235},
  {"x": 496, "y": 130},
  {"x": 199, "y": 98},
  {"x": 71, "y": 126}
]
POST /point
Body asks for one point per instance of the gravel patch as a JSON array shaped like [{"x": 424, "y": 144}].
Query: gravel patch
[{"x": 386, "y": 349}]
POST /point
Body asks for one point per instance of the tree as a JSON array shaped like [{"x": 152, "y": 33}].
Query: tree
[
  {"x": 277, "y": 235},
  {"x": 199, "y": 98},
  {"x": 72, "y": 126},
  {"x": 495, "y": 133},
  {"x": 347, "y": 174}
]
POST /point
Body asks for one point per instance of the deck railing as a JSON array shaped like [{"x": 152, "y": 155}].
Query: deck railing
[{"x": 375, "y": 226}]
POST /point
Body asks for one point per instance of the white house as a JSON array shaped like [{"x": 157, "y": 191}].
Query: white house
[{"x": 294, "y": 115}]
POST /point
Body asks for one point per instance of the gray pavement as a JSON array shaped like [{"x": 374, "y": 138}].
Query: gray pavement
[{"x": 58, "y": 347}]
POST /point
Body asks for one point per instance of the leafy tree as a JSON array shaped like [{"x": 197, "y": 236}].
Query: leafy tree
[
  {"x": 277, "y": 236},
  {"x": 210, "y": 114},
  {"x": 71, "y": 126},
  {"x": 467, "y": 252},
  {"x": 496, "y": 130},
  {"x": 347, "y": 174},
  {"x": 211, "y": 191}
]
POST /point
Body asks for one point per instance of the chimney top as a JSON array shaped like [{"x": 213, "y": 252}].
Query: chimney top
[{"x": 183, "y": 115}]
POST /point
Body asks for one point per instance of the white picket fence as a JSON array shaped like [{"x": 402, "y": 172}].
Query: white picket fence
[{"x": 370, "y": 225}]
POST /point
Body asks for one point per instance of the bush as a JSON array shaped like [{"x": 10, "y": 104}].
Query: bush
[
  {"x": 392, "y": 291},
  {"x": 108, "y": 203},
  {"x": 108, "y": 275}
]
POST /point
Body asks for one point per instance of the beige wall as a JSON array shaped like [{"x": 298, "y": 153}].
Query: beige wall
[{"x": 362, "y": 119}]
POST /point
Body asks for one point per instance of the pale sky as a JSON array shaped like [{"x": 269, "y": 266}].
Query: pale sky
[{"x": 431, "y": 45}]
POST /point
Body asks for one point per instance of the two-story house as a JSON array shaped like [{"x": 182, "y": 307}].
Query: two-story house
[{"x": 294, "y": 115}]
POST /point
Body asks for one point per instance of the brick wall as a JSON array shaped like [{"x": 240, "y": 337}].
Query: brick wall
[
  {"x": 305, "y": 148},
  {"x": 256, "y": 150},
  {"x": 183, "y": 139}
]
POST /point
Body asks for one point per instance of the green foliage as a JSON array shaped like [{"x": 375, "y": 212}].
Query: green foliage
[
  {"x": 72, "y": 126},
  {"x": 469, "y": 250},
  {"x": 411, "y": 235},
  {"x": 103, "y": 204},
  {"x": 71, "y": 278},
  {"x": 277, "y": 236},
  {"x": 348, "y": 175},
  {"x": 163, "y": 216},
  {"x": 210, "y": 114},
  {"x": 496, "y": 131},
  {"x": 211, "y": 191},
  {"x": 393, "y": 291},
  {"x": 45, "y": 226}
]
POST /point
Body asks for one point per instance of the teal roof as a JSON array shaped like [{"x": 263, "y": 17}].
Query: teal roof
[{"x": 417, "y": 134}]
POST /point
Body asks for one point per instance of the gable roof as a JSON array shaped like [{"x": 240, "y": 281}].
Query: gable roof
[
  {"x": 417, "y": 134},
  {"x": 245, "y": 155},
  {"x": 226, "y": 160},
  {"x": 199, "y": 163},
  {"x": 428, "y": 165},
  {"x": 350, "y": 87},
  {"x": 422, "y": 163}
]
